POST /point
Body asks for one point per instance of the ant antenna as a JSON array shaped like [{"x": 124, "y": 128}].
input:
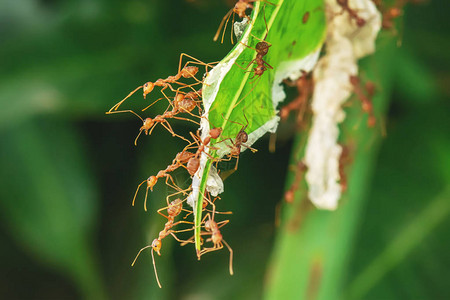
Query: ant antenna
[
  {"x": 135, "y": 194},
  {"x": 154, "y": 268},
  {"x": 231, "y": 256},
  {"x": 135, "y": 141}
]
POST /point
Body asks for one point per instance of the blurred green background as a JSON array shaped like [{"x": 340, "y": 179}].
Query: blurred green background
[{"x": 68, "y": 171}]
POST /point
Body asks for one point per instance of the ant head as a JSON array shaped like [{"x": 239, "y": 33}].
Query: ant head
[
  {"x": 214, "y": 133},
  {"x": 156, "y": 246},
  {"x": 239, "y": 8},
  {"x": 178, "y": 98},
  {"x": 189, "y": 71},
  {"x": 151, "y": 181},
  {"x": 148, "y": 88},
  {"x": 259, "y": 70},
  {"x": 209, "y": 225},
  {"x": 242, "y": 136},
  {"x": 148, "y": 123},
  {"x": 289, "y": 196},
  {"x": 367, "y": 106},
  {"x": 204, "y": 205},
  {"x": 284, "y": 113}
]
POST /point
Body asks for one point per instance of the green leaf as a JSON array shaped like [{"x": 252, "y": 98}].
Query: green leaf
[{"x": 234, "y": 98}]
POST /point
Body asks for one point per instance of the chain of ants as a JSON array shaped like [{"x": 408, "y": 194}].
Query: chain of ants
[{"x": 186, "y": 102}]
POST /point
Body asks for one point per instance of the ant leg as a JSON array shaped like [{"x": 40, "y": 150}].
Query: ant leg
[
  {"x": 151, "y": 129},
  {"x": 225, "y": 18},
  {"x": 232, "y": 30},
  {"x": 155, "y": 102},
  {"x": 190, "y": 240},
  {"x": 248, "y": 65},
  {"x": 182, "y": 230},
  {"x": 222, "y": 223},
  {"x": 211, "y": 249},
  {"x": 174, "y": 186},
  {"x": 212, "y": 204},
  {"x": 159, "y": 211},
  {"x": 250, "y": 148},
  {"x": 179, "y": 191},
  {"x": 167, "y": 126},
  {"x": 237, "y": 162},
  {"x": 194, "y": 60},
  {"x": 184, "y": 242},
  {"x": 122, "y": 111},
  {"x": 267, "y": 65},
  {"x": 186, "y": 119},
  {"x": 246, "y": 95},
  {"x": 115, "y": 107},
  {"x": 248, "y": 46}
]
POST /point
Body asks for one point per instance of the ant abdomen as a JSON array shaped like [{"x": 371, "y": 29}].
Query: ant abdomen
[{"x": 189, "y": 71}]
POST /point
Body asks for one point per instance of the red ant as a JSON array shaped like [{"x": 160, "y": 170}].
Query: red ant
[
  {"x": 216, "y": 238},
  {"x": 194, "y": 162},
  {"x": 180, "y": 159},
  {"x": 184, "y": 102},
  {"x": 344, "y": 160},
  {"x": 305, "y": 88},
  {"x": 351, "y": 12},
  {"x": 185, "y": 72},
  {"x": 207, "y": 201},
  {"x": 366, "y": 100},
  {"x": 299, "y": 171},
  {"x": 174, "y": 208},
  {"x": 148, "y": 124},
  {"x": 390, "y": 15},
  {"x": 241, "y": 138},
  {"x": 261, "y": 48}
]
